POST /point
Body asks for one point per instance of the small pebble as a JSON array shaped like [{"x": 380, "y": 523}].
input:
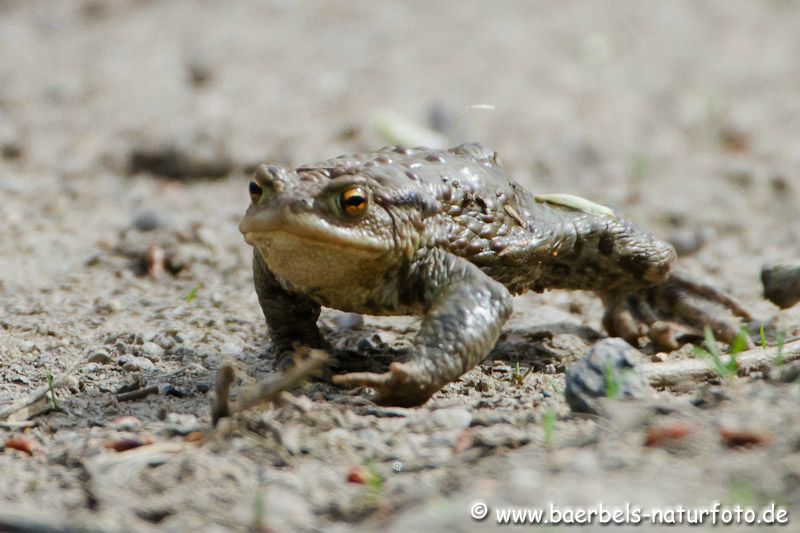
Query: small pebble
[
  {"x": 99, "y": 355},
  {"x": 348, "y": 321},
  {"x": 484, "y": 384},
  {"x": 152, "y": 351},
  {"x": 164, "y": 341},
  {"x": 452, "y": 418},
  {"x": 659, "y": 357},
  {"x": 26, "y": 346},
  {"x": 125, "y": 423},
  {"x": 107, "y": 307},
  {"x": 587, "y": 379},
  {"x": 136, "y": 364},
  {"x": 230, "y": 348},
  {"x": 782, "y": 283},
  {"x": 92, "y": 368},
  {"x": 171, "y": 390},
  {"x": 147, "y": 221},
  {"x": 182, "y": 424}
]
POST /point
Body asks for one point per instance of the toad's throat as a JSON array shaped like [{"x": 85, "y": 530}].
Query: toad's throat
[{"x": 334, "y": 274}]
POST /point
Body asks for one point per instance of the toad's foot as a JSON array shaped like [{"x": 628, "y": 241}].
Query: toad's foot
[
  {"x": 673, "y": 313},
  {"x": 403, "y": 385}
]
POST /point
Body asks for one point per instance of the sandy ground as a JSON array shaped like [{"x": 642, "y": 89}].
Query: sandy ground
[{"x": 131, "y": 124}]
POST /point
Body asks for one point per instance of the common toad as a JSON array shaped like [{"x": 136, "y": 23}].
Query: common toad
[{"x": 448, "y": 235}]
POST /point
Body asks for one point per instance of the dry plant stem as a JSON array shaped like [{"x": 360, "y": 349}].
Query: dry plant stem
[
  {"x": 220, "y": 407},
  {"x": 39, "y": 393},
  {"x": 668, "y": 374},
  {"x": 269, "y": 391},
  {"x": 137, "y": 394},
  {"x": 17, "y": 425}
]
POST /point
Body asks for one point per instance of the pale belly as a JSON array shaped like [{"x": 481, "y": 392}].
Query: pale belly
[{"x": 353, "y": 280}]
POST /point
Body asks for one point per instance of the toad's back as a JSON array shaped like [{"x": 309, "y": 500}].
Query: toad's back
[{"x": 527, "y": 242}]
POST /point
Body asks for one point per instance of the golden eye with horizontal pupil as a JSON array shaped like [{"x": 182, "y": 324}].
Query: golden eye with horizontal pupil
[
  {"x": 354, "y": 201},
  {"x": 255, "y": 192}
]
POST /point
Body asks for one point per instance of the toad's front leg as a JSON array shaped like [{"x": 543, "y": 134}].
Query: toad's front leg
[
  {"x": 291, "y": 317},
  {"x": 465, "y": 310}
]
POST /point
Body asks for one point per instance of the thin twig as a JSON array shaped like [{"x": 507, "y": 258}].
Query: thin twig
[
  {"x": 18, "y": 425},
  {"x": 137, "y": 394},
  {"x": 668, "y": 374},
  {"x": 40, "y": 392},
  {"x": 268, "y": 391},
  {"x": 220, "y": 407}
]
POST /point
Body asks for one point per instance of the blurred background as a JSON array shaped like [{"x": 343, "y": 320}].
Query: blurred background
[
  {"x": 628, "y": 91},
  {"x": 662, "y": 108}
]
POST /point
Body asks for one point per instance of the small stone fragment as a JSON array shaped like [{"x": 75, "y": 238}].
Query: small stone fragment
[
  {"x": 26, "y": 346},
  {"x": 182, "y": 424},
  {"x": 609, "y": 370},
  {"x": 147, "y": 221},
  {"x": 782, "y": 283},
  {"x": 99, "y": 356},
  {"x": 348, "y": 321},
  {"x": 125, "y": 423},
  {"x": 152, "y": 351},
  {"x": 453, "y": 418},
  {"x": 164, "y": 341},
  {"x": 92, "y": 368},
  {"x": 132, "y": 363}
]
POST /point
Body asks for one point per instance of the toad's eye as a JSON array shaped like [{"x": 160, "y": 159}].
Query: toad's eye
[
  {"x": 354, "y": 201},
  {"x": 255, "y": 192}
]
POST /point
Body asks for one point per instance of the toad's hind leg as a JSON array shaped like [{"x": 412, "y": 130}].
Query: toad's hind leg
[{"x": 632, "y": 271}]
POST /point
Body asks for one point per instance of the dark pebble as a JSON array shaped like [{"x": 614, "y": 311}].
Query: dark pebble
[
  {"x": 147, "y": 221},
  {"x": 586, "y": 383},
  {"x": 782, "y": 283}
]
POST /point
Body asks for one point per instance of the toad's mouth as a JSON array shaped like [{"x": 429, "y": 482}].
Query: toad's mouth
[
  {"x": 262, "y": 232},
  {"x": 266, "y": 237}
]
